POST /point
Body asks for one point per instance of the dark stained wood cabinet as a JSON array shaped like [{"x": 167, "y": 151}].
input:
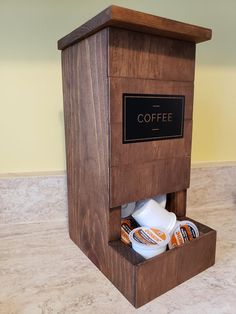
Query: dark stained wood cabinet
[{"x": 119, "y": 52}]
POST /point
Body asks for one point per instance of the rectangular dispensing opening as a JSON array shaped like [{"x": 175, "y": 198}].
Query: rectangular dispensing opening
[
  {"x": 174, "y": 202},
  {"x": 122, "y": 222},
  {"x": 205, "y": 234}
]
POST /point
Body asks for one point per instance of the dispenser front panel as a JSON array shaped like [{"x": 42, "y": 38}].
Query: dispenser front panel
[{"x": 145, "y": 161}]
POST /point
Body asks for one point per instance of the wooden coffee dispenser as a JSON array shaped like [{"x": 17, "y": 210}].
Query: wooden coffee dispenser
[{"x": 128, "y": 80}]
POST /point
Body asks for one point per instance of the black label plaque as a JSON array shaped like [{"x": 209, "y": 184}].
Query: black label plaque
[{"x": 152, "y": 117}]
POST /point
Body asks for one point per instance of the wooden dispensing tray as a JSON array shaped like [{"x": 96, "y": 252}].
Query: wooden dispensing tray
[
  {"x": 123, "y": 52},
  {"x": 150, "y": 278}
]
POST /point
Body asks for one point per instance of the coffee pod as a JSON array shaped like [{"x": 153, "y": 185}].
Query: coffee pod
[
  {"x": 149, "y": 242},
  {"x": 127, "y": 225},
  {"x": 184, "y": 231},
  {"x": 151, "y": 214},
  {"x": 127, "y": 209},
  {"x": 161, "y": 200}
]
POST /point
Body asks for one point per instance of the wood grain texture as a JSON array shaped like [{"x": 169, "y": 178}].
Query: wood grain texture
[
  {"x": 85, "y": 89},
  {"x": 175, "y": 266},
  {"x": 138, "y": 55},
  {"x": 114, "y": 224},
  {"x": 141, "y": 170},
  {"x": 133, "y": 182},
  {"x": 120, "y": 270},
  {"x": 118, "y": 86},
  {"x": 86, "y": 116},
  {"x": 138, "y": 153},
  {"x": 136, "y": 21},
  {"x": 102, "y": 173},
  {"x": 177, "y": 202}
]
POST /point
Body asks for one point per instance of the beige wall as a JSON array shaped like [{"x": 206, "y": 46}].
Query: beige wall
[{"x": 31, "y": 112}]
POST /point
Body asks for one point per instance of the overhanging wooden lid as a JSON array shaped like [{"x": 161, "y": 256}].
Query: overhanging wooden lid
[{"x": 136, "y": 21}]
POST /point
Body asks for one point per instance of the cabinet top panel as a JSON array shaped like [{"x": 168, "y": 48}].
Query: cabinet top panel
[{"x": 137, "y": 21}]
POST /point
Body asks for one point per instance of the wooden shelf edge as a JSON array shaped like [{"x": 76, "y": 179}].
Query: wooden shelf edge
[
  {"x": 155, "y": 276},
  {"x": 116, "y": 16}
]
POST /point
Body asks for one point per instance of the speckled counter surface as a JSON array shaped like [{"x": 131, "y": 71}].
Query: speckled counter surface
[{"x": 42, "y": 271}]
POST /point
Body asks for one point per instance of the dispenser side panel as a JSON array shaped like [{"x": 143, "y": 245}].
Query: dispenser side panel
[
  {"x": 86, "y": 109},
  {"x": 85, "y": 88}
]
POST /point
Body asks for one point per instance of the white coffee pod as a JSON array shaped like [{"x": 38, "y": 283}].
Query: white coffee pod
[
  {"x": 151, "y": 214},
  {"x": 141, "y": 202},
  {"x": 149, "y": 242},
  {"x": 161, "y": 200},
  {"x": 127, "y": 209}
]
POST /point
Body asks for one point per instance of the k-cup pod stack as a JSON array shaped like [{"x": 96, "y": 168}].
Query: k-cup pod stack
[
  {"x": 159, "y": 227},
  {"x": 156, "y": 224},
  {"x": 150, "y": 213}
]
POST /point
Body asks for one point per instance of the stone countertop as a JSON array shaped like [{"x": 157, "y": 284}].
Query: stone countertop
[{"x": 42, "y": 271}]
